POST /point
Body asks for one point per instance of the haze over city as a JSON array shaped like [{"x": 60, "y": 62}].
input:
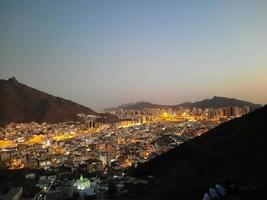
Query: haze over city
[{"x": 105, "y": 53}]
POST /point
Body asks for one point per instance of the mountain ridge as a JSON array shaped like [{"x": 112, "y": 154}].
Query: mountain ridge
[
  {"x": 215, "y": 102},
  {"x": 234, "y": 151},
  {"x": 21, "y": 103}
]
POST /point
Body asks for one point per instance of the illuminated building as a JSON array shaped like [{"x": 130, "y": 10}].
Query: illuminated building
[{"x": 82, "y": 183}]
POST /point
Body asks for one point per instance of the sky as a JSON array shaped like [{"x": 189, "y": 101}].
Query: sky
[{"x": 103, "y": 53}]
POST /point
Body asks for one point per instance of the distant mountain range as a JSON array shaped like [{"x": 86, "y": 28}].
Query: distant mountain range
[
  {"x": 21, "y": 103},
  {"x": 235, "y": 151},
  {"x": 215, "y": 102},
  {"x": 218, "y": 102},
  {"x": 139, "y": 106}
]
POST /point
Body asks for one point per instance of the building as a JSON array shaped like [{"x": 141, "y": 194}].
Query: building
[{"x": 82, "y": 183}]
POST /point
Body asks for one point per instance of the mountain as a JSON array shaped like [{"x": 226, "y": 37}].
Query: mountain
[
  {"x": 235, "y": 151},
  {"x": 21, "y": 103},
  {"x": 215, "y": 102},
  {"x": 140, "y": 105}
]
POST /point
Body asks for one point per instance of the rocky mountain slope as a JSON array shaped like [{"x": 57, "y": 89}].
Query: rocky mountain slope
[{"x": 21, "y": 103}]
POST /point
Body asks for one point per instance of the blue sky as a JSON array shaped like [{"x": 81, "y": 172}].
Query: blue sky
[{"x": 103, "y": 53}]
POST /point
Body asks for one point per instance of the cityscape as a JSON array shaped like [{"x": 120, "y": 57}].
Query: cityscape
[
  {"x": 133, "y": 100},
  {"x": 102, "y": 151}
]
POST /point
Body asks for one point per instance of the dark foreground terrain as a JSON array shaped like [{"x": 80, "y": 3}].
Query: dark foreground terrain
[{"x": 234, "y": 152}]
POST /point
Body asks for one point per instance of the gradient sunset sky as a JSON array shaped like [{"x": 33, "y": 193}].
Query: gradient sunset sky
[{"x": 103, "y": 53}]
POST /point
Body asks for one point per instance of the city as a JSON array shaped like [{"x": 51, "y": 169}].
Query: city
[
  {"x": 101, "y": 151},
  {"x": 133, "y": 100}
]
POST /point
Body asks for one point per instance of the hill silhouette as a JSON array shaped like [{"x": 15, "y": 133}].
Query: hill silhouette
[
  {"x": 215, "y": 102},
  {"x": 141, "y": 105},
  {"x": 218, "y": 102},
  {"x": 21, "y": 103},
  {"x": 235, "y": 150}
]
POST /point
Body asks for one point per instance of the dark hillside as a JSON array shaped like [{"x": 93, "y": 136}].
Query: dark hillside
[
  {"x": 20, "y": 103},
  {"x": 235, "y": 150}
]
